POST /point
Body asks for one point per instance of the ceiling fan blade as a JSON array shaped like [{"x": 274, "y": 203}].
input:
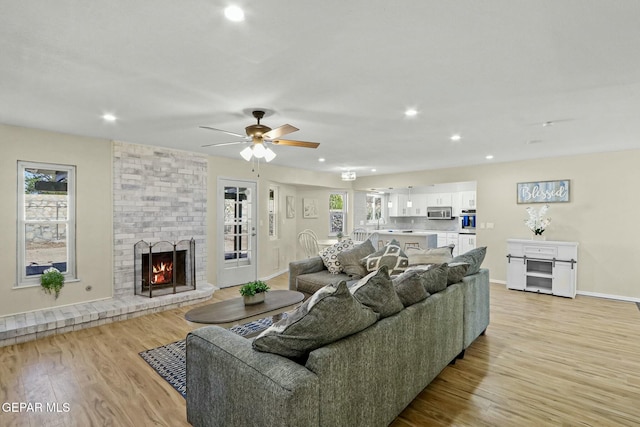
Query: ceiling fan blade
[
  {"x": 225, "y": 131},
  {"x": 296, "y": 143},
  {"x": 220, "y": 144},
  {"x": 279, "y": 131}
]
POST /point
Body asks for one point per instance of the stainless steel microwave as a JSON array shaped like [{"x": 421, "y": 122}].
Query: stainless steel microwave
[{"x": 439, "y": 212}]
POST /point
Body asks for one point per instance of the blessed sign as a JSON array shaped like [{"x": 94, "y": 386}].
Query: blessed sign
[{"x": 543, "y": 191}]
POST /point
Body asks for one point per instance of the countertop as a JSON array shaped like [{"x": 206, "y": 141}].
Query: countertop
[
  {"x": 407, "y": 232},
  {"x": 421, "y": 232}
]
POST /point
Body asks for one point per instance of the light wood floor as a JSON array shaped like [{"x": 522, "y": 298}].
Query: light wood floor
[{"x": 544, "y": 361}]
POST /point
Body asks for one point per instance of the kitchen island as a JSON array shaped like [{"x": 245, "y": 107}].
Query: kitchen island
[{"x": 425, "y": 239}]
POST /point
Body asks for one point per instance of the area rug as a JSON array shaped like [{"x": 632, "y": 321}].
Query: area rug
[{"x": 169, "y": 361}]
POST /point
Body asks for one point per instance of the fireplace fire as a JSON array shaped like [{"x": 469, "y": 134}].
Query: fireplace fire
[
  {"x": 164, "y": 267},
  {"x": 162, "y": 273}
]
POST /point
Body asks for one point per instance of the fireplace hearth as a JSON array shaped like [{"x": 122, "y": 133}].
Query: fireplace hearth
[{"x": 163, "y": 267}]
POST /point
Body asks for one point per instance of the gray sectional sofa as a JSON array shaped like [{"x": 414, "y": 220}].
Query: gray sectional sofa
[
  {"x": 367, "y": 378},
  {"x": 309, "y": 275}
]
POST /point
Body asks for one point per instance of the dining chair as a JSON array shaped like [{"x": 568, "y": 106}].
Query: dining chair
[
  {"x": 359, "y": 235},
  {"x": 310, "y": 231},
  {"x": 309, "y": 242}
]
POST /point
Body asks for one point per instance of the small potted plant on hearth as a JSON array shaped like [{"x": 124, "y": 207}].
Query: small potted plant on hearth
[
  {"x": 254, "y": 292},
  {"x": 52, "y": 281}
]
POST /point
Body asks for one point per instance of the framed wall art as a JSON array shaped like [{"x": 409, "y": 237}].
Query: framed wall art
[
  {"x": 291, "y": 207},
  {"x": 310, "y": 208},
  {"x": 543, "y": 191}
]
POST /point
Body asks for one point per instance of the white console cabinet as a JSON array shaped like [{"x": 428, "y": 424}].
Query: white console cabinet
[{"x": 542, "y": 266}]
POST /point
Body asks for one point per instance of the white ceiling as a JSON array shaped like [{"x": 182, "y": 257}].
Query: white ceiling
[{"x": 341, "y": 71}]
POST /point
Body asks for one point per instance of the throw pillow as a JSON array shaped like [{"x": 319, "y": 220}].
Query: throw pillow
[
  {"x": 429, "y": 256},
  {"x": 330, "y": 314},
  {"x": 350, "y": 259},
  {"x": 376, "y": 290},
  {"x": 409, "y": 287},
  {"x": 457, "y": 270},
  {"x": 329, "y": 255},
  {"x": 474, "y": 258},
  {"x": 390, "y": 255},
  {"x": 434, "y": 277}
]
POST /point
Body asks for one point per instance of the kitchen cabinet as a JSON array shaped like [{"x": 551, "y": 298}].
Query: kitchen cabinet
[
  {"x": 439, "y": 199},
  {"x": 466, "y": 200},
  {"x": 448, "y": 238},
  {"x": 419, "y": 205},
  {"x": 548, "y": 267},
  {"x": 466, "y": 242},
  {"x": 399, "y": 205}
]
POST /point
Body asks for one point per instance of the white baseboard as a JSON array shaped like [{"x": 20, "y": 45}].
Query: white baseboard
[
  {"x": 587, "y": 294},
  {"x": 607, "y": 296},
  {"x": 271, "y": 276}
]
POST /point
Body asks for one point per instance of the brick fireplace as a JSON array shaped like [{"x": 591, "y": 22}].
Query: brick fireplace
[{"x": 160, "y": 195}]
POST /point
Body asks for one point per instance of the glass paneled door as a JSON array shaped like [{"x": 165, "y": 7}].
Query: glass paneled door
[{"x": 237, "y": 236}]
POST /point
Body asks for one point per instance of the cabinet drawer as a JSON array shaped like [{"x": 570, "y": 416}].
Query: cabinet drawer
[{"x": 541, "y": 251}]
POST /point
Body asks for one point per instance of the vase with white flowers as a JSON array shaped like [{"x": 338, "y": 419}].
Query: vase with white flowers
[{"x": 537, "y": 221}]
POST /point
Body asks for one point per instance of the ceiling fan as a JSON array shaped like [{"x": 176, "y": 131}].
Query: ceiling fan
[{"x": 260, "y": 134}]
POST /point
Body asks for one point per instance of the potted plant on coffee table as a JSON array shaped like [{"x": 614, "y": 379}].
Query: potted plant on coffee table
[
  {"x": 254, "y": 292},
  {"x": 52, "y": 281}
]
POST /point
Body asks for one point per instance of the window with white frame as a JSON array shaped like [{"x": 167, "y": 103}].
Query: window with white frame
[
  {"x": 374, "y": 207},
  {"x": 337, "y": 213},
  {"x": 273, "y": 212},
  {"x": 46, "y": 220}
]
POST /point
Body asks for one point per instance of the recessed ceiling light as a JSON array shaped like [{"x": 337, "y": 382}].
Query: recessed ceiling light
[
  {"x": 489, "y": 157},
  {"x": 109, "y": 117},
  {"x": 411, "y": 112},
  {"x": 533, "y": 141},
  {"x": 373, "y": 170},
  {"x": 234, "y": 14},
  {"x": 321, "y": 159},
  {"x": 456, "y": 137}
]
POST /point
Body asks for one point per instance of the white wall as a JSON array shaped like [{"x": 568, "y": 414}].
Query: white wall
[
  {"x": 600, "y": 216},
  {"x": 92, "y": 158}
]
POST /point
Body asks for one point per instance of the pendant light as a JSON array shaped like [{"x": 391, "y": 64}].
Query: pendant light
[{"x": 409, "y": 202}]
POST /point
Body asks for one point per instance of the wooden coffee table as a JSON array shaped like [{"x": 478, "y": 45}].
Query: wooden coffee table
[{"x": 233, "y": 311}]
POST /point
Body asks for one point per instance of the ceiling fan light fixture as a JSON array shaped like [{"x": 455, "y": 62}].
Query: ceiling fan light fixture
[
  {"x": 259, "y": 150},
  {"x": 348, "y": 176},
  {"x": 247, "y": 153},
  {"x": 269, "y": 154}
]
